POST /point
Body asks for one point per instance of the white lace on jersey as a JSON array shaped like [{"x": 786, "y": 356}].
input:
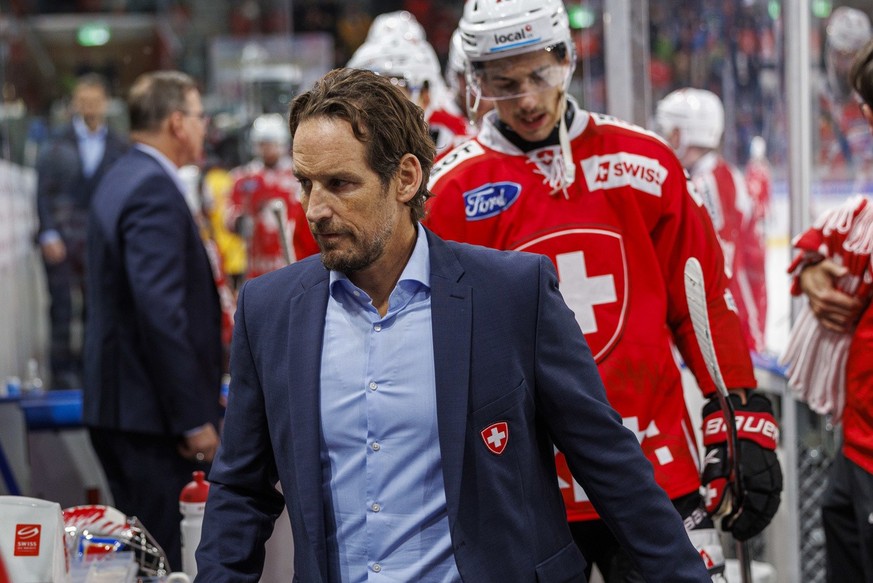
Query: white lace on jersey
[{"x": 549, "y": 162}]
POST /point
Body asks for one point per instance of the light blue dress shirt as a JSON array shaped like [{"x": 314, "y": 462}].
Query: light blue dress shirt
[
  {"x": 171, "y": 169},
  {"x": 92, "y": 145},
  {"x": 382, "y": 476}
]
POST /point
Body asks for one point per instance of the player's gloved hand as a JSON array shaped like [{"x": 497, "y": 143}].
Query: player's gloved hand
[
  {"x": 705, "y": 538},
  {"x": 760, "y": 473}
]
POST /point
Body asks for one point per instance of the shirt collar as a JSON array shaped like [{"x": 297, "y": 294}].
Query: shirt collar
[
  {"x": 82, "y": 131},
  {"x": 417, "y": 270},
  {"x": 165, "y": 163}
]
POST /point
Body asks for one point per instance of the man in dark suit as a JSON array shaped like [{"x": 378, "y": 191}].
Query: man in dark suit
[
  {"x": 152, "y": 336},
  {"x": 68, "y": 171},
  {"x": 407, "y": 393}
]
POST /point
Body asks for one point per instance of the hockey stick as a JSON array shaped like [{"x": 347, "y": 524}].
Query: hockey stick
[
  {"x": 279, "y": 210},
  {"x": 695, "y": 293}
]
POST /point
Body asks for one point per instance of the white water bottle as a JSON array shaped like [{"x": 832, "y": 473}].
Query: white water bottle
[{"x": 192, "y": 505}]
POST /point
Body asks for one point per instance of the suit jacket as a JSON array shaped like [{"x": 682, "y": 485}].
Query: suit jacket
[
  {"x": 152, "y": 332},
  {"x": 506, "y": 348},
  {"x": 63, "y": 192}
]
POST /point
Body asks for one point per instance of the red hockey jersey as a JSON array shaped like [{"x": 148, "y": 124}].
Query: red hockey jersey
[
  {"x": 619, "y": 235},
  {"x": 448, "y": 126},
  {"x": 255, "y": 187},
  {"x": 723, "y": 190}
]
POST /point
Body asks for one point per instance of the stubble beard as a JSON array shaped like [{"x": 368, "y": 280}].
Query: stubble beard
[{"x": 361, "y": 255}]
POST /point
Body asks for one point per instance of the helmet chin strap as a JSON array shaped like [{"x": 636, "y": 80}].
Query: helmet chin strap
[
  {"x": 473, "y": 99},
  {"x": 564, "y": 138}
]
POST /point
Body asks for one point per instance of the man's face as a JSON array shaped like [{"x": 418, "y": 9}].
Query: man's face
[
  {"x": 356, "y": 221},
  {"x": 90, "y": 102},
  {"x": 270, "y": 152},
  {"x": 194, "y": 123},
  {"x": 527, "y": 91}
]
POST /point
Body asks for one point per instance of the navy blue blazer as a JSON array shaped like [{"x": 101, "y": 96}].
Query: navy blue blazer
[
  {"x": 506, "y": 348},
  {"x": 153, "y": 357},
  {"x": 63, "y": 192}
]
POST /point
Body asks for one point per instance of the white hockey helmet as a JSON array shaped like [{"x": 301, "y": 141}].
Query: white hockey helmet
[
  {"x": 399, "y": 23},
  {"x": 493, "y": 29},
  {"x": 848, "y": 29},
  {"x": 270, "y": 128},
  {"x": 697, "y": 113},
  {"x": 96, "y": 530},
  {"x": 412, "y": 63},
  {"x": 456, "y": 63}
]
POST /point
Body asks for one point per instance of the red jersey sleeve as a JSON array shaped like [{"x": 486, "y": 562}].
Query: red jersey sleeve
[{"x": 685, "y": 230}]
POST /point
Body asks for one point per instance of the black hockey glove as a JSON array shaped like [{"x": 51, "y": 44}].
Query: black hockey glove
[{"x": 760, "y": 474}]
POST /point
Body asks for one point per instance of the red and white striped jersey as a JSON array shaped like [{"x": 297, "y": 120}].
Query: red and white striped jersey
[{"x": 619, "y": 236}]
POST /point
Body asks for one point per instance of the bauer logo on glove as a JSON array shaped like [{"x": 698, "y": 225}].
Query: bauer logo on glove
[{"x": 760, "y": 476}]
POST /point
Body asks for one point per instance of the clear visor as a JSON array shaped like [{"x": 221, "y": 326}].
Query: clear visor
[{"x": 514, "y": 77}]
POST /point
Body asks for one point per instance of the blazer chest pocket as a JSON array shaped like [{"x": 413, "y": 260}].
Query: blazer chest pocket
[{"x": 497, "y": 422}]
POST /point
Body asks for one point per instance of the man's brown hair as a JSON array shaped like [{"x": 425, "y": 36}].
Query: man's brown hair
[
  {"x": 382, "y": 118},
  {"x": 155, "y": 95}
]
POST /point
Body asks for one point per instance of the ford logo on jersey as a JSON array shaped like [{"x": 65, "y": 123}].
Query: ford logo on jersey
[{"x": 490, "y": 199}]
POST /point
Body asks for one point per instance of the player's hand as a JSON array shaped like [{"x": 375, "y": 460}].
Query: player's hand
[
  {"x": 201, "y": 445},
  {"x": 760, "y": 474},
  {"x": 835, "y": 310}
]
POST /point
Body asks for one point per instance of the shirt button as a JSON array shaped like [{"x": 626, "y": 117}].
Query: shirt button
[
  {"x": 377, "y": 567},
  {"x": 377, "y": 327},
  {"x": 373, "y": 386},
  {"x": 376, "y": 446},
  {"x": 376, "y": 507},
  {"x": 356, "y": 293}
]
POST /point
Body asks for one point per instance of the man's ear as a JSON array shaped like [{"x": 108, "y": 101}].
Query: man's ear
[
  {"x": 409, "y": 177},
  {"x": 175, "y": 122}
]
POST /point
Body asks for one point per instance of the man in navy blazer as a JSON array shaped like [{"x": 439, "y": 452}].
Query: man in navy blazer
[
  {"x": 68, "y": 170},
  {"x": 152, "y": 336},
  {"x": 407, "y": 392}
]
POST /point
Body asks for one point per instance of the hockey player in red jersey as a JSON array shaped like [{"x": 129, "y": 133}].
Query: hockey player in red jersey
[
  {"x": 692, "y": 122},
  {"x": 610, "y": 205},
  {"x": 264, "y": 184}
]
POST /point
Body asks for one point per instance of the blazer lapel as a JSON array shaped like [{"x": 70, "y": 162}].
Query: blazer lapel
[
  {"x": 451, "y": 309},
  {"x": 305, "y": 337}
]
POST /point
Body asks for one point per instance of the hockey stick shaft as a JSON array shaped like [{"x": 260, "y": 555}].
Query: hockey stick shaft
[
  {"x": 279, "y": 210},
  {"x": 695, "y": 294}
]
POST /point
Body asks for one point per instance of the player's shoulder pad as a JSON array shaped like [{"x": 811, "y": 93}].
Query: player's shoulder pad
[
  {"x": 453, "y": 158},
  {"x": 609, "y": 123}
]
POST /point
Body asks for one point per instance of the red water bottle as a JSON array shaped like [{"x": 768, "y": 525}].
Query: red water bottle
[{"x": 192, "y": 505}]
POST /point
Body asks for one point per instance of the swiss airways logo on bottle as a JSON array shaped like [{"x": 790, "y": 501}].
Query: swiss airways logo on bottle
[
  {"x": 27, "y": 540},
  {"x": 490, "y": 199}
]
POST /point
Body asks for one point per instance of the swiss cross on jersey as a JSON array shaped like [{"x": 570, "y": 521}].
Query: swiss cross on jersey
[
  {"x": 594, "y": 284},
  {"x": 496, "y": 436}
]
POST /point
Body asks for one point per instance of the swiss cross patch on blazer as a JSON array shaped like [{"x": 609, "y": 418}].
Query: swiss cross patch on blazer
[{"x": 496, "y": 436}]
